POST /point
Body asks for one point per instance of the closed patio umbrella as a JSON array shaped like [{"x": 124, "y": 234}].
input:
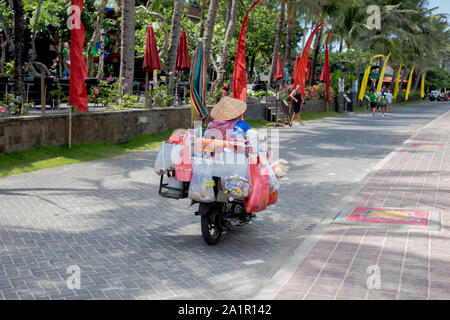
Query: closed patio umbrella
[
  {"x": 183, "y": 59},
  {"x": 151, "y": 58},
  {"x": 279, "y": 74}
]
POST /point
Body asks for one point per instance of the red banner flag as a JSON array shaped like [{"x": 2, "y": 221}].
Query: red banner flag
[
  {"x": 240, "y": 70},
  {"x": 300, "y": 76},
  {"x": 297, "y": 60},
  {"x": 280, "y": 73},
  {"x": 309, "y": 70},
  {"x": 325, "y": 76},
  {"x": 78, "y": 73}
]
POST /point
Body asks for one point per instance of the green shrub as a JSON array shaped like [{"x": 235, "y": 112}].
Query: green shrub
[{"x": 160, "y": 96}]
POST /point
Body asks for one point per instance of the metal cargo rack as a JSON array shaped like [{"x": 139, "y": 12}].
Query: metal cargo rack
[{"x": 164, "y": 188}]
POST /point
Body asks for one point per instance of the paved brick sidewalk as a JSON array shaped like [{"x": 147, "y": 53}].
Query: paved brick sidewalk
[
  {"x": 106, "y": 217},
  {"x": 413, "y": 264}
]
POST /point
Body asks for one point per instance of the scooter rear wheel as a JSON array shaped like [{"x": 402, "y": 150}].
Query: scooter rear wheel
[{"x": 211, "y": 230}]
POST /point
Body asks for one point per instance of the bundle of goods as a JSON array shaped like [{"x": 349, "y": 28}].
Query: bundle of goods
[
  {"x": 202, "y": 184},
  {"x": 242, "y": 174},
  {"x": 235, "y": 187},
  {"x": 280, "y": 168}
]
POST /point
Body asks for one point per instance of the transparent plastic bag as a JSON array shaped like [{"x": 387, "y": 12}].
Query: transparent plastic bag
[
  {"x": 235, "y": 187},
  {"x": 201, "y": 188},
  {"x": 259, "y": 194},
  {"x": 274, "y": 185},
  {"x": 160, "y": 164}
]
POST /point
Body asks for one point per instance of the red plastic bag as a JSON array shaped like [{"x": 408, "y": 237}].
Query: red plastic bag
[
  {"x": 273, "y": 182},
  {"x": 259, "y": 194},
  {"x": 273, "y": 197},
  {"x": 183, "y": 170},
  {"x": 178, "y": 137}
]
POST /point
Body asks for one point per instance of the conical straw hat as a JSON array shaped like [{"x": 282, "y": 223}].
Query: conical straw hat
[{"x": 228, "y": 108}]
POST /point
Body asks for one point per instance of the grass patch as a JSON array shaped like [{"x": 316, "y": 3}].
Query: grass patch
[
  {"x": 259, "y": 123},
  {"x": 309, "y": 116},
  {"x": 407, "y": 103},
  {"x": 49, "y": 157},
  {"x": 395, "y": 105}
]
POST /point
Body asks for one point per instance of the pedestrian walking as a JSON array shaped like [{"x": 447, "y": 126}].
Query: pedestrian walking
[
  {"x": 373, "y": 101},
  {"x": 382, "y": 101},
  {"x": 297, "y": 101},
  {"x": 390, "y": 100}
]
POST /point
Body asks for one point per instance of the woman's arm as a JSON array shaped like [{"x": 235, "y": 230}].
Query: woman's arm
[{"x": 292, "y": 96}]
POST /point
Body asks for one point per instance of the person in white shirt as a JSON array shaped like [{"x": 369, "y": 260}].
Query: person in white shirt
[{"x": 390, "y": 100}]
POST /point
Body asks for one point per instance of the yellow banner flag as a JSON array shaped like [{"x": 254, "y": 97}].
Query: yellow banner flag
[
  {"x": 397, "y": 81},
  {"x": 383, "y": 70},
  {"x": 364, "y": 83},
  {"x": 366, "y": 78},
  {"x": 422, "y": 91},
  {"x": 408, "y": 88}
]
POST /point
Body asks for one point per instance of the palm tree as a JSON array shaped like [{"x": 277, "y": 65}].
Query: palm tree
[
  {"x": 226, "y": 44},
  {"x": 349, "y": 23},
  {"x": 173, "y": 47},
  {"x": 95, "y": 37},
  {"x": 209, "y": 30},
  {"x": 290, "y": 20},
  {"x": 276, "y": 47},
  {"x": 19, "y": 30},
  {"x": 127, "y": 44},
  {"x": 325, "y": 8}
]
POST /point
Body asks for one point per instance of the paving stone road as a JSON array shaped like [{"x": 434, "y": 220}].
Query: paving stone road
[{"x": 106, "y": 217}]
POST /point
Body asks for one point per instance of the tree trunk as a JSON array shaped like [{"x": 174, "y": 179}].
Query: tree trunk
[
  {"x": 228, "y": 14},
  {"x": 292, "y": 8},
  {"x": 225, "y": 50},
  {"x": 19, "y": 30},
  {"x": 127, "y": 43},
  {"x": 202, "y": 16},
  {"x": 209, "y": 30},
  {"x": 417, "y": 81},
  {"x": 4, "y": 44},
  {"x": 290, "y": 31},
  {"x": 33, "y": 34},
  {"x": 394, "y": 77},
  {"x": 173, "y": 48},
  {"x": 276, "y": 47},
  {"x": 252, "y": 67},
  {"x": 305, "y": 29},
  {"x": 95, "y": 37},
  {"x": 101, "y": 57},
  {"x": 6, "y": 30},
  {"x": 316, "y": 54}
]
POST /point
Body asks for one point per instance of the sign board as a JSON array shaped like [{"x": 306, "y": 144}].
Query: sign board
[
  {"x": 264, "y": 77},
  {"x": 341, "y": 85},
  {"x": 355, "y": 85},
  {"x": 286, "y": 74}
]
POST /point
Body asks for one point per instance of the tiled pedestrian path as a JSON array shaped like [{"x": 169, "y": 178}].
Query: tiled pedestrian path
[{"x": 395, "y": 262}]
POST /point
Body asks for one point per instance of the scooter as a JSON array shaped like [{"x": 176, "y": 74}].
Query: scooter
[{"x": 216, "y": 217}]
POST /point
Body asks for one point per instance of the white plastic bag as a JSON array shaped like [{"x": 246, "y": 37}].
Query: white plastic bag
[
  {"x": 273, "y": 181},
  {"x": 160, "y": 164},
  {"x": 201, "y": 188},
  {"x": 280, "y": 168}
]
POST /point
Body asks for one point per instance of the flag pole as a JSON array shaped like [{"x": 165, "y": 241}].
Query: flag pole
[
  {"x": 276, "y": 108},
  {"x": 146, "y": 89},
  {"x": 70, "y": 126}
]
